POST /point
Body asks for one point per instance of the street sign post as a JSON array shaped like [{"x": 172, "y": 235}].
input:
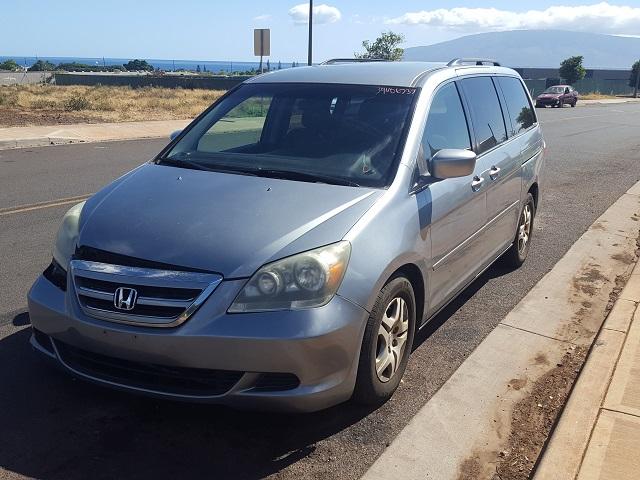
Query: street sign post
[{"x": 261, "y": 43}]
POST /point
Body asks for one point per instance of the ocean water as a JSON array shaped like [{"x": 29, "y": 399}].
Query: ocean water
[{"x": 166, "y": 65}]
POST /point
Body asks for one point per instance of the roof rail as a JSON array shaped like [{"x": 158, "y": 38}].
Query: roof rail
[
  {"x": 477, "y": 61},
  {"x": 335, "y": 61}
]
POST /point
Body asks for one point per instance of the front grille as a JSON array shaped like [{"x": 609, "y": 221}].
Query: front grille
[
  {"x": 160, "y": 298},
  {"x": 148, "y": 376}
]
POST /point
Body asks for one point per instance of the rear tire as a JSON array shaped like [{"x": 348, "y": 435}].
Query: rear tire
[
  {"x": 517, "y": 254},
  {"x": 387, "y": 342}
]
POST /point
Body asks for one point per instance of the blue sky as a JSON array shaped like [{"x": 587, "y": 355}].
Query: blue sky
[{"x": 222, "y": 30}]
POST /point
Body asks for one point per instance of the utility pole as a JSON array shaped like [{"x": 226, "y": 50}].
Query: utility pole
[
  {"x": 635, "y": 91},
  {"x": 310, "y": 55}
]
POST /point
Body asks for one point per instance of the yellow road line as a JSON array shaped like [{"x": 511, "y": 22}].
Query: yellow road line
[{"x": 42, "y": 205}]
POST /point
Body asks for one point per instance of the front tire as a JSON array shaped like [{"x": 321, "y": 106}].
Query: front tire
[
  {"x": 387, "y": 343},
  {"x": 517, "y": 254}
]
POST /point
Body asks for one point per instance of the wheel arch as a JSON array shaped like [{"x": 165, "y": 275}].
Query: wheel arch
[
  {"x": 534, "y": 190},
  {"x": 413, "y": 273}
]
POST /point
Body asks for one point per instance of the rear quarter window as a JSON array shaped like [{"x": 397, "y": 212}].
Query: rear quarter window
[{"x": 520, "y": 110}]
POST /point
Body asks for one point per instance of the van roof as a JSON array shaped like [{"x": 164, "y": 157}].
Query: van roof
[{"x": 397, "y": 74}]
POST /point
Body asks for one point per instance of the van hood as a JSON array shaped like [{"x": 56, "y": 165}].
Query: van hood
[{"x": 225, "y": 223}]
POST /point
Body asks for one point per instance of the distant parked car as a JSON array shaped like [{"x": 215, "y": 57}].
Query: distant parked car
[{"x": 557, "y": 96}]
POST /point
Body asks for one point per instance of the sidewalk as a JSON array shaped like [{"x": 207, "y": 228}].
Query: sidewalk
[
  {"x": 607, "y": 101},
  {"x": 598, "y": 435},
  {"x": 22, "y": 137}
]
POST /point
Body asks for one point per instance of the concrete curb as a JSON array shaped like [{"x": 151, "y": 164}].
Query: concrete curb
[{"x": 468, "y": 421}]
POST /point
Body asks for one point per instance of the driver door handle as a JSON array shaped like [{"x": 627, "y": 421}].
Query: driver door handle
[
  {"x": 493, "y": 173},
  {"x": 477, "y": 183}
]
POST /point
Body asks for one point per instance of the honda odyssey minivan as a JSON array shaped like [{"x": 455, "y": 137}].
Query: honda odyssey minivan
[{"x": 283, "y": 250}]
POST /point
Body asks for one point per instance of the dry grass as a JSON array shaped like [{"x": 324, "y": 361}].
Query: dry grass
[
  {"x": 597, "y": 96},
  {"x": 51, "y": 104}
]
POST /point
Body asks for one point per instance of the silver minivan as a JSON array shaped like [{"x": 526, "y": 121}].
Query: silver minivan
[{"x": 282, "y": 251}]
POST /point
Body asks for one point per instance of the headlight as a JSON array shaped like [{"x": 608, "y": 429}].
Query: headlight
[
  {"x": 306, "y": 280},
  {"x": 67, "y": 236}
]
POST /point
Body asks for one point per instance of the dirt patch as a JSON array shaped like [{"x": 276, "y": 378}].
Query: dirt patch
[
  {"x": 534, "y": 416},
  {"x": 627, "y": 258},
  {"x": 541, "y": 359},
  {"x": 517, "y": 383},
  {"x": 587, "y": 282},
  {"x": 470, "y": 469},
  {"x": 621, "y": 281},
  {"x": 12, "y": 117}
]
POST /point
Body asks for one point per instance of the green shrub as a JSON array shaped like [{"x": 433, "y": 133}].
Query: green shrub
[
  {"x": 10, "y": 65},
  {"x": 42, "y": 66}
]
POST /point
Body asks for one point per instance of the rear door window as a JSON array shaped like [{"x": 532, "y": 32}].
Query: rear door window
[
  {"x": 520, "y": 110},
  {"x": 486, "y": 112}
]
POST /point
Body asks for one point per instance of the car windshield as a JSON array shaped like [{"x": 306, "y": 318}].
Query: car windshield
[
  {"x": 343, "y": 134},
  {"x": 554, "y": 90}
]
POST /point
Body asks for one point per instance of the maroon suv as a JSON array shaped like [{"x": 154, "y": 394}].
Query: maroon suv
[{"x": 557, "y": 96}]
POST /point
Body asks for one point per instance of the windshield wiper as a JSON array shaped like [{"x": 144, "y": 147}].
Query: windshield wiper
[
  {"x": 302, "y": 176},
  {"x": 182, "y": 163},
  {"x": 207, "y": 168}
]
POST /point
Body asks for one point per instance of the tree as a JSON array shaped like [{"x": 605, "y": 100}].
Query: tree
[
  {"x": 571, "y": 69},
  {"x": 138, "y": 65},
  {"x": 633, "y": 79},
  {"x": 386, "y": 46},
  {"x": 42, "y": 66},
  {"x": 10, "y": 65}
]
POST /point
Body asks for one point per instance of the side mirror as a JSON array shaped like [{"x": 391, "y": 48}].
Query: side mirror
[
  {"x": 452, "y": 163},
  {"x": 173, "y": 135}
]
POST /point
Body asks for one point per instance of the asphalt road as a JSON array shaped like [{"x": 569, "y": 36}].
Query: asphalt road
[{"x": 55, "y": 427}]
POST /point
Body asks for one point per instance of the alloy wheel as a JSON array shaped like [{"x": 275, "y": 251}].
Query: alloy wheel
[
  {"x": 524, "y": 228},
  {"x": 392, "y": 339}
]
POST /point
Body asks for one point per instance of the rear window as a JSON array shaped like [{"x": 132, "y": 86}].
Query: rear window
[
  {"x": 486, "y": 112},
  {"x": 348, "y": 133},
  {"x": 520, "y": 110}
]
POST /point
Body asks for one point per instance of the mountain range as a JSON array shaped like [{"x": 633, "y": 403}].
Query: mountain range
[{"x": 535, "y": 48}]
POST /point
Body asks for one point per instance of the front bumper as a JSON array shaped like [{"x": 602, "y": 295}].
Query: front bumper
[
  {"x": 547, "y": 101},
  {"x": 319, "y": 346}
]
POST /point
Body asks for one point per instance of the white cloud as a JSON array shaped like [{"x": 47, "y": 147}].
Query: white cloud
[
  {"x": 601, "y": 17},
  {"x": 321, "y": 14},
  {"x": 262, "y": 18}
]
